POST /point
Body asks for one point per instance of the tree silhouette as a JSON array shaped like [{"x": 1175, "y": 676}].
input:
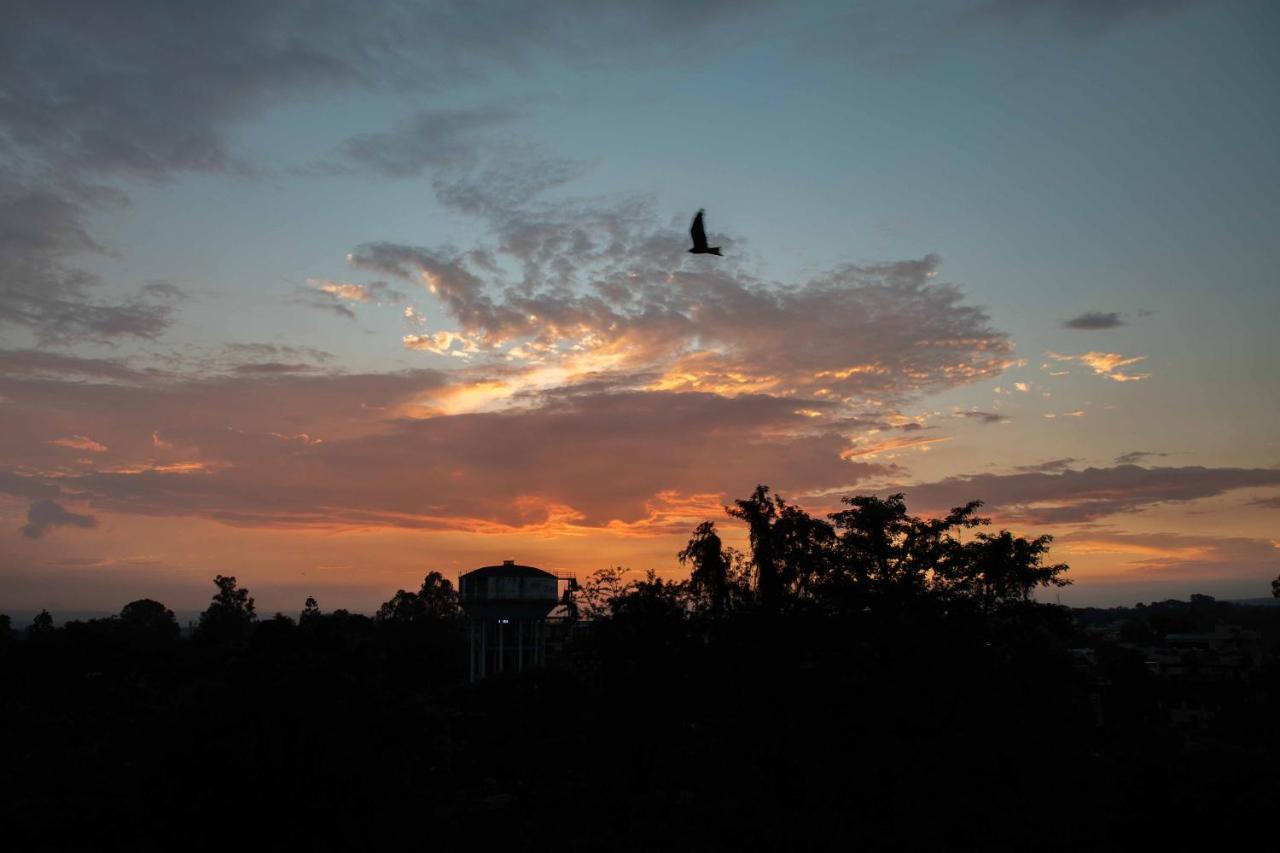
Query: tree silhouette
[
  {"x": 906, "y": 648},
  {"x": 871, "y": 554},
  {"x": 147, "y": 619},
  {"x": 402, "y": 607},
  {"x": 760, "y": 512},
  {"x": 648, "y": 621},
  {"x": 601, "y": 589},
  {"x": 438, "y": 598},
  {"x": 651, "y": 595},
  {"x": 230, "y": 614},
  {"x": 1275, "y": 587},
  {"x": 435, "y": 601},
  {"x": 888, "y": 553},
  {"x": 804, "y": 548},
  {"x": 710, "y": 567},
  {"x": 1002, "y": 568},
  {"x": 310, "y": 611},
  {"x": 41, "y": 626}
]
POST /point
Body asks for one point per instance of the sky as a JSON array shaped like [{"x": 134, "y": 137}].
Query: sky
[{"x": 328, "y": 295}]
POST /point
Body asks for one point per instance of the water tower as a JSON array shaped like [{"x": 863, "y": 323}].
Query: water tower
[{"x": 507, "y": 609}]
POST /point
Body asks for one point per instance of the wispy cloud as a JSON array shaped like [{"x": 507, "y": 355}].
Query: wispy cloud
[
  {"x": 1106, "y": 364},
  {"x": 43, "y": 363},
  {"x": 322, "y": 301},
  {"x": 1053, "y": 465},
  {"x": 1094, "y": 321},
  {"x": 428, "y": 140},
  {"x": 273, "y": 367},
  {"x": 886, "y": 330},
  {"x": 376, "y": 292},
  {"x": 97, "y": 94},
  {"x": 1133, "y": 457},
  {"x": 42, "y": 228},
  {"x": 80, "y": 442},
  {"x": 984, "y": 417},
  {"x": 871, "y": 448}
]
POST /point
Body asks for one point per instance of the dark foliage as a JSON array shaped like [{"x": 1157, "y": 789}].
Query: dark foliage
[
  {"x": 436, "y": 601},
  {"x": 229, "y": 617},
  {"x": 41, "y": 627},
  {"x": 873, "y": 680}
]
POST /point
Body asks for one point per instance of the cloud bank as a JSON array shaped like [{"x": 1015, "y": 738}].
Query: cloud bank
[
  {"x": 1059, "y": 495},
  {"x": 46, "y": 515}
]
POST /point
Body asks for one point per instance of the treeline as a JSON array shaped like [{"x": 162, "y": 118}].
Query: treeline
[
  {"x": 232, "y": 616},
  {"x": 871, "y": 557},
  {"x": 869, "y": 679}
]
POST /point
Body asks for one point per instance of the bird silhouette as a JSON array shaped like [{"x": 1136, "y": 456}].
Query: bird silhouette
[{"x": 699, "y": 235}]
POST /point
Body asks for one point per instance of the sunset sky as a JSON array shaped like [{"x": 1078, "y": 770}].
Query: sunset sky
[{"x": 326, "y": 295}]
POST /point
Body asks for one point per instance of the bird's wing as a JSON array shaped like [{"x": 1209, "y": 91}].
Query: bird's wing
[{"x": 697, "y": 232}]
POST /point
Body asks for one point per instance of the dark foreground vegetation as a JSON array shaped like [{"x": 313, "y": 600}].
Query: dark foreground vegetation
[{"x": 871, "y": 681}]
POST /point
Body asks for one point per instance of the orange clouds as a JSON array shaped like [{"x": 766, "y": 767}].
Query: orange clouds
[
  {"x": 1106, "y": 364},
  {"x": 872, "y": 449},
  {"x": 376, "y": 292},
  {"x": 859, "y": 333},
  {"x": 1120, "y": 557},
  {"x": 80, "y": 442},
  {"x": 383, "y": 451}
]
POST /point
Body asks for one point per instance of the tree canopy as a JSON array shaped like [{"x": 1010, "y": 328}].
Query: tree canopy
[
  {"x": 229, "y": 615},
  {"x": 873, "y": 554},
  {"x": 435, "y": 601},
  {"x": 150, "y": 618}
]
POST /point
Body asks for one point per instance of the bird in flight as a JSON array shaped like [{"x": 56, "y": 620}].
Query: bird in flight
[{"x": 699, "y": 235}]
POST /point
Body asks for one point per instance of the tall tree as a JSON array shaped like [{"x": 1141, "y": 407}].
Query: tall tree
[
  {"x": 709, "y": 577},
  {"x": 41, "y": 626},
  {"x": 888, "y": 552},
  {"x": 435, "y": 601},
  {"x": 438, "y": 598},
  {"x": 401, "y": 608},
  {"x": 310, "y": 611},
  {"x": 230, "y": 614},
  {"x": 1002, "y": 568},
  {"x": 760, "y": 512},
  {"x": 804, "y": 548}
]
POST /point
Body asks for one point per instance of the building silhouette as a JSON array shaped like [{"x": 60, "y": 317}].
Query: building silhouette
[{"x": 507, "y": 608}]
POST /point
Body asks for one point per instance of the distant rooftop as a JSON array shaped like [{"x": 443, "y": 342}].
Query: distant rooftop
[{"x": 509, "y": 568}]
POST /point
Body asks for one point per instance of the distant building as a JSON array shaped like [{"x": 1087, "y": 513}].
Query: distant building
[
  {"x": 507, "y": 608},
  {"x": 1200, "y": 673}
]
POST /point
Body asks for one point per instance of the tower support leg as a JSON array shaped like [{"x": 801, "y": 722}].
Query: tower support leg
[{"x": 471, "y": 651}]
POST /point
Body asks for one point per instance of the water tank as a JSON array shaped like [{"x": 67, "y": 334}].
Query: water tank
[
  {"x": 507, "y": 609},
  {"x": 508, "y": 591}
]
